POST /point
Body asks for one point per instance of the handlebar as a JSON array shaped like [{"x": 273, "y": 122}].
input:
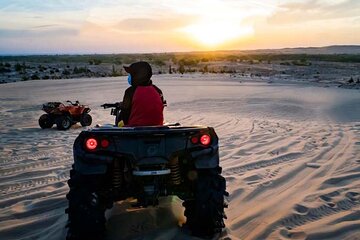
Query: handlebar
[
  {"x": 74, "y": 104},
  {"x": 112, "y": 105}
]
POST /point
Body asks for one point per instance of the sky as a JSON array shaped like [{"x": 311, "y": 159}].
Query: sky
[{"x": 138, "y": 26}]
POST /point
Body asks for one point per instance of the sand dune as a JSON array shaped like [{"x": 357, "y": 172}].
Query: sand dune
[{"x": 290, "y": 155}]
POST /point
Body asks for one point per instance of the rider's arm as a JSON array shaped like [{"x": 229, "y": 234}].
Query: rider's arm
[
  {"x": 161, "y": 94},
  {"x": 126, "y": 107}
]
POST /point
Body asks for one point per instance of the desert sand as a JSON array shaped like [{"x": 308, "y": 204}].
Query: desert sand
[{"x": 290, "y": 154}]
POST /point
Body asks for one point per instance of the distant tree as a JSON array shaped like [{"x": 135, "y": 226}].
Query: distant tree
[
  {"x": 159, "y": 62},
  {"x": 115, "y": 73},
  {"x": 7, "y": 65},
  {"x": 18, "y": 67},
  {"x": 118, "y": 61},
  {"x": 351, "y": 80},
  {"x": 75, "y": 70},
  {"x": 97, "y": 61},
  {"x": 181, "y": 69},
  {"x": 205, "y": 69}
]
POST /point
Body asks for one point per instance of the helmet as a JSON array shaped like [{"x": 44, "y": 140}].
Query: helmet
[{"x": 140, "y": 72}]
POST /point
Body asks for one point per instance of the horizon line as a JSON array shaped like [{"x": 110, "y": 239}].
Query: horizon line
[{"x": 170, "y": 52}]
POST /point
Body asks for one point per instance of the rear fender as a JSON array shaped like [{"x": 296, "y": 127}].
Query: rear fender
[
  {"x": 88, "y": 169},
  {"x": 206, "y": 158},
  {"x": 88, "y": 163},
  {"x": 86, "y": 110}
]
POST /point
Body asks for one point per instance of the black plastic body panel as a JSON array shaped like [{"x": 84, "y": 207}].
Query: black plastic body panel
[{"x": 144, "y": 146}]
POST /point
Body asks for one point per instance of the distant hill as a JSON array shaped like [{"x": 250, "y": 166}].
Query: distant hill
[{"x": 336, "y": 49}]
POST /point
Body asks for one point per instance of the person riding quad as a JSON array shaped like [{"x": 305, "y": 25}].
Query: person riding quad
[{"x": 143, "y": 102}]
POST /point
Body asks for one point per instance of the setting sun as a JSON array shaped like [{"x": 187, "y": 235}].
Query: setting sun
[
  {"x": 212, "y": 34},
  {"x": 218, "y": 22}
]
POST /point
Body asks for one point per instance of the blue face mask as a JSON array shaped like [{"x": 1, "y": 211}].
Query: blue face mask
[{"x": 129, "y": 79}]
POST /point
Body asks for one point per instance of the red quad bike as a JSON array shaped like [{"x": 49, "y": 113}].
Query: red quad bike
[
  {"x": 64, "y": 115},
  {"x": 145, "y": 163}
]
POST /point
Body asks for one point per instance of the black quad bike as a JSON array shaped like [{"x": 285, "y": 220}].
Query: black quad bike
[
  {"x": 64, "y": 115},
  {"x": 145, "y": 163}
]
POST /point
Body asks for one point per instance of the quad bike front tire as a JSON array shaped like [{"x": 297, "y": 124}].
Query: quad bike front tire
[
  {"x": 45, "y": 121},
  {"x": 88, "y": 199},
  {"x": 205, "y": 212},
  {"x": 63, "y": 122},
  {"x": 86, "y": 120}
]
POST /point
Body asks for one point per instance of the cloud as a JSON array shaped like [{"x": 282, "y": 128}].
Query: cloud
[
  {"x": 152, "y": 25},
  {"x": 41, "y": 6},
  {"x": 25, "y": 33},
  {"x": 46, "y": 26},
  {"x": 314, "y": 10}
]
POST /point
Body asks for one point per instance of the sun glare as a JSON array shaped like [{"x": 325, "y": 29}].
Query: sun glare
[
  {"x": 217, "y": 22},
  {"x": 212, "y": 34}
]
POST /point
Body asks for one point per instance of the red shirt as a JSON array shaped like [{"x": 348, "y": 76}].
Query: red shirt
[{"x": 146, "y": 107}]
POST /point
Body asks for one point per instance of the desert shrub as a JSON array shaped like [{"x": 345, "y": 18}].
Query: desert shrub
[
  {"x": 80, "y": 70},
  {"x": 34, "y": 77},
  {"x": 301, "y": 62},
  {"x": 4, "y": 69},
  {"x": 95, "y": 61},
  {"x": 66, "y": 72},
  {"x": 188, "y": 62},
  {"x": 159, "y": 62},
  {"x": 117, "y": 61}
]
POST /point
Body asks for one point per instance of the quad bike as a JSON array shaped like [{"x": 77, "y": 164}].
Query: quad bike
[
  {"x": 145, "y": 163},
  {"x": 64, "y": 115}
]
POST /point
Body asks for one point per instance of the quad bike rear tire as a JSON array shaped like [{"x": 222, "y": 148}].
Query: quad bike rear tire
[
  {"x": 45, "y": 121},
  {"x": 63, "y": 122},
  {"x": 86, "y": 120},
  {"x": 88, "y": 200},
  {"x": 205, "y": 213}
]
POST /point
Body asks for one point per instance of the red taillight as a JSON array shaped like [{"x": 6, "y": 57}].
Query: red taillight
[
  {"x": 205, "y": 139},
  {"x": 104, "y": 143},
  {"x": 91, "y": 143},
  {"x": 194, "y": 140}
]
